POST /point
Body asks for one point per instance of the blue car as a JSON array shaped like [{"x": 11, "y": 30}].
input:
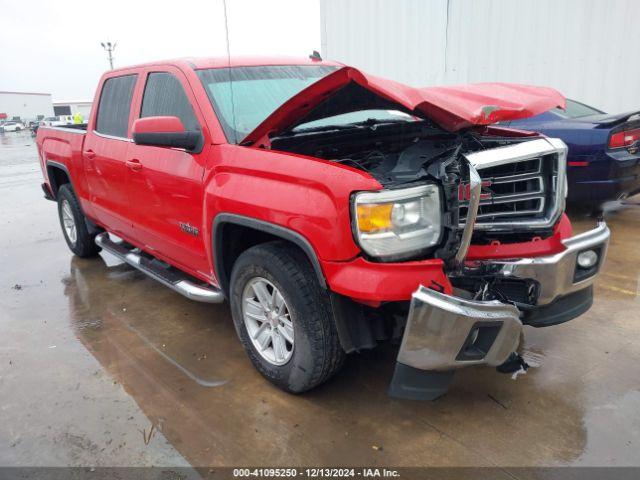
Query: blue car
[{"x": 604, "y": 150}]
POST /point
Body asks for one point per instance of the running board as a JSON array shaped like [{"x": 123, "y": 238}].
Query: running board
[{"x": 160, "y": 271}]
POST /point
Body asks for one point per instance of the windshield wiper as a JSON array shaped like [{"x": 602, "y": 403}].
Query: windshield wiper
[
  {"x": 320, "y": 128},
  {"x": 369, "y": 122},
  {"x": 374, "y": 122}
]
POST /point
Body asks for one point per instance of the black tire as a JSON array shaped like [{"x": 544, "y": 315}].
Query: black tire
[
  {"x": 317, "y": 354},
  {"x": 84, "y": 245}
]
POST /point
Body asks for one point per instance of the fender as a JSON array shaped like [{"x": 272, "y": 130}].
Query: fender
[
  {"x": 270, "y": 228},
  {"x": 91, "y": 227},
  {"x": 52, "y": 181}
]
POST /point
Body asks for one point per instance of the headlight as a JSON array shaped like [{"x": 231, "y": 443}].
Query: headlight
[{"x": 389, "y": 223}]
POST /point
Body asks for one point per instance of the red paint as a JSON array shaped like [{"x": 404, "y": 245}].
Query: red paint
[
  {"x": 535, "y": 248},
  {"x": 366, "y": 281},
  {"x": 142, "y": 193},
  {"x": 578, "y": 164},
  {"x": 463, "y": 106},
  {"x": 157, "y": 125}
]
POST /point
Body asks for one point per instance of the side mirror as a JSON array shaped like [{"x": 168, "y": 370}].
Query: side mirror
[{"x": 165, "y": 132}]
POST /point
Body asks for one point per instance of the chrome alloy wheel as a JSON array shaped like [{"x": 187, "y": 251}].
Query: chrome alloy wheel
[
  {"x": 68, "y": 222},
  {"x": 268, "y": 321}
]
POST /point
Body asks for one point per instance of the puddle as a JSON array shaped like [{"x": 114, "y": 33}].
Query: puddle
[{"x": 200, "y": 381}]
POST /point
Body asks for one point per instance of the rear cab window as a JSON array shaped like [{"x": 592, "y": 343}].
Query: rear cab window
[{"x": 114, "y": 107}]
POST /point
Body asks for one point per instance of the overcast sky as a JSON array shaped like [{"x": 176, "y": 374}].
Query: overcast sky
[{"x": 54, "y": 46}]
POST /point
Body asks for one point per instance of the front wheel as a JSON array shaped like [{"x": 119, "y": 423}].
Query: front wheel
[
  {"x": 283, "y": 317},
  {"x": 74, "y": 227}
]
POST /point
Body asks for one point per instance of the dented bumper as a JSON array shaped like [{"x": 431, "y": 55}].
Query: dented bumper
[
  {"x": 557, "y": 275},
  {"x": 446, "y": 332}
]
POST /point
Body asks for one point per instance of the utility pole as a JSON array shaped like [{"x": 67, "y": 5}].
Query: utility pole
[{"x": 109, "y": 47}]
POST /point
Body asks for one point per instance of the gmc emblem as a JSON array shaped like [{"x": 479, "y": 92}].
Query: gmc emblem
[
  {"x": 188, "y": 228},
  {"x": 464, "y": 191}
]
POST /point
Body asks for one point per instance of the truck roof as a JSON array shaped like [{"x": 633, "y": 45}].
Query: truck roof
[{"x": 235, "y": 61}]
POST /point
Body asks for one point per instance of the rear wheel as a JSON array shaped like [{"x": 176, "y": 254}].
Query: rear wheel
[
  {"x": 283, "y": 317},
  {"x": 74, "y": 227}
]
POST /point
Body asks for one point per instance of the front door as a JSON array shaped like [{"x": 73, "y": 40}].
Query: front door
[{"x": 166, "y": 184}]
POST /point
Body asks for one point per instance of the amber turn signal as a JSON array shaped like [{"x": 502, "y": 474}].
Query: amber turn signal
[{"x": 374, "y": 217}]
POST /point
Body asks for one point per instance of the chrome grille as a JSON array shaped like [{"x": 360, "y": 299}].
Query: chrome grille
[
  {"x": 514, "y": 190},
  {"x": 519, "y": 186}
]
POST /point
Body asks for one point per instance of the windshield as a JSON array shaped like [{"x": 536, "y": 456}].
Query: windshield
[
  {"x": 576, "y": 110},
  {"x": 243, "y": 97}
]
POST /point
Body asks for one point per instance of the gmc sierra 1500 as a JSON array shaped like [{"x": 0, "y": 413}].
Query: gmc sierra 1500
[{"x": 333, "y": 209}]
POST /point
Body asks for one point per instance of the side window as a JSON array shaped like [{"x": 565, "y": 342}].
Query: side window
[
  {"x": 164, "y": 96},
  {"x": 115, "y": 105}
]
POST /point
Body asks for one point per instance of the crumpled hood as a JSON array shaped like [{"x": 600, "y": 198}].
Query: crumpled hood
[
  {"x": 462, "y": 106},
  {"x": 453, "y": 108}
]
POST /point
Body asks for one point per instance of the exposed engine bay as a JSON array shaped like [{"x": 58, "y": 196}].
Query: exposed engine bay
[
  {"x": 394, "y": 153},
  {"x": 400, "y": 153}
]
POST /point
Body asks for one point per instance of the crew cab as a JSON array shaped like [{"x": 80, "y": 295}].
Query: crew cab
[{"x": 332, "y": 209}]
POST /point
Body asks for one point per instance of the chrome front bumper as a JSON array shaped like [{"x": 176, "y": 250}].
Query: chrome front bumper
[
  {"x": 444, "y": 332},
  {"x": 555, "y": 274},
  {"x": 439, "y": 326}
]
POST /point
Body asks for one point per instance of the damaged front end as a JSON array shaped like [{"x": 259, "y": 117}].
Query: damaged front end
[
  {"x": 447, "y": 332},
  {"x": 481, "y": 323},
  {"x": 452, "y": 191}
]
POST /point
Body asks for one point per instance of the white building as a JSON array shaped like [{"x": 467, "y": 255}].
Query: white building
[
  {"x": 585, "y": 49},
  {"x": 71, "y": 108},
  {"x": 26, "y": 106}
]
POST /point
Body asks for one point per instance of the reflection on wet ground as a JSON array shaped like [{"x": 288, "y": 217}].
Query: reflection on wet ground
[{"x": 86, "y": 347}]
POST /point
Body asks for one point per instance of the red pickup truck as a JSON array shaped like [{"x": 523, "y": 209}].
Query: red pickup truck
[{"x": 334, "y": 210}]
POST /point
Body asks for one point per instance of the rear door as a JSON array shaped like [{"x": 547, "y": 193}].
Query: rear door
[
  {"x": 105, "y": 152},
  {"x": 167, "y": 183}
]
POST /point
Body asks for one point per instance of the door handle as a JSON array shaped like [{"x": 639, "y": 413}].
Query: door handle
[
  {"x": 90, "y": 154},
  {"x": 134, "y": 165}
]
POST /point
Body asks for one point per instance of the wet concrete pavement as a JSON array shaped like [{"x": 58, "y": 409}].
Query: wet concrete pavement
[{"x": 92, "y": 357}]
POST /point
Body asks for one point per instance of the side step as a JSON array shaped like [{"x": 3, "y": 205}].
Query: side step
[{"x": 160, "y": 271}]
